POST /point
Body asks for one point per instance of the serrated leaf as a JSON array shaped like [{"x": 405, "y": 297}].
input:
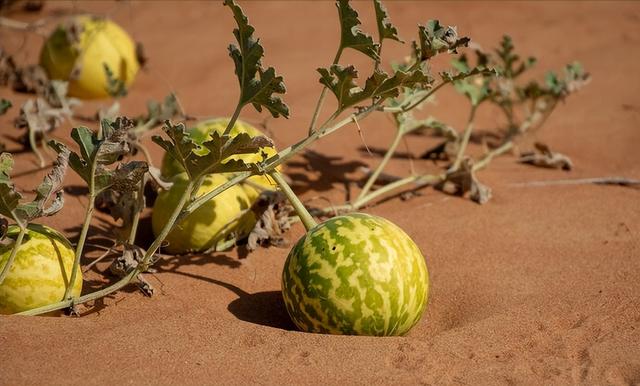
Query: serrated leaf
[
  {"x": 449, "y": 76},
  {"x": 340, "y": 80},
  {"x": 49, "y": 194},
  {"x": 100, "y": 150},
  {"x": 210, "y": 156},
  {"x": 160, "y": 112},
  {"x": 127, "y": 176},
  {"x": 113, "y": 144},
  {"x": 351, "y": 36},
  {"x": 9, "y": 198},
  {"x": 87, "y": 140},
  {"x": 435, "y": 39},
  {"x": 386, "y": 29},
  {"x": 257, "y": 85}
]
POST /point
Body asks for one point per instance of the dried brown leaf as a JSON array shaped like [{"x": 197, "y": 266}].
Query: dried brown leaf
[
  {"x": 463, "y": 180},
  {"x": 272, "y": 211},
  {"x": 546, "y": 158}
]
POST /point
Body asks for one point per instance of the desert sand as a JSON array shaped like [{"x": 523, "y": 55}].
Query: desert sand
[{"x": 539, "y": 286}]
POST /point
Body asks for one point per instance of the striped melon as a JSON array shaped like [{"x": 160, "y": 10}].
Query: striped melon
[
  {"x": 355, "y": 274},
  {"x": 200, "y": 133},
  {"x": 40, "y": 272},
  {"x": 211, "y": 223},
  {"x": 100, "y": 42}
]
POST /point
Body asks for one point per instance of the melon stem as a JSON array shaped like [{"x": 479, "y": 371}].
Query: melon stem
[
  {"x": 14, "y": 253},
  {"x": 302, "y": 212}
]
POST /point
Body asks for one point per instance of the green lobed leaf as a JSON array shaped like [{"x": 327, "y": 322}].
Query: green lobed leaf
[
  {"x": 340, "y": 80},
  {"x": 99, "y": 150},
  {"x": 475, "y": 84},
  {"x": 351, "y": 36},
  {"x": 168, "y": 109},
  {"x": 200, "y": 157},
  {"x": 386, "y": 29},
  {"x": 257, "y": 85}
]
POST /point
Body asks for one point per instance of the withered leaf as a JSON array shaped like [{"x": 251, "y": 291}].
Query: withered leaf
[
  {"x": 129, "y": 260},
  {"x": 272, "y": 211},
  {"x": 463, "y": 180},
  {"x": 546, "y": 158}
]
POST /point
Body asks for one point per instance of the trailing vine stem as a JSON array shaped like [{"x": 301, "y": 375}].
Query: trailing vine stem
[
  {"x": 299, "y": 207},
  {"x": 464, "y": 141},
  {"x": 323, "y": 94},
  {"x": 233, "y": 120},
  {"x": 136, "y": 216},
  {"x": 83, "y": 233},
  {"x": 387, "y": 156},
  {"x": 14, "y": 252}
]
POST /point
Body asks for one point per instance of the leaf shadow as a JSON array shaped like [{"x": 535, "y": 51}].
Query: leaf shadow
[
  {"x": 77, "y": 190},
  {"x": 380, "y": 152},
  {"x": 319, "y": 172}
]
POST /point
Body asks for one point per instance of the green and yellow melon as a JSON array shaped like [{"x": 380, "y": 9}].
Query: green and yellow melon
[
  {"x": 40, "y": 272},
  {"x": 213, "y": 222},
  {"x": 355, "y": 274},
  {"x": 78, "y": 50}
]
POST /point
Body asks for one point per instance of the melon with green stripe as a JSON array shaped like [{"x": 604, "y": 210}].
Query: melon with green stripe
[
  {"x": 355, "y": 274},
  {"x": 40, "y": 272},
  {"x": 201, "y": 133},
  {"x": 210, "y": 225}
]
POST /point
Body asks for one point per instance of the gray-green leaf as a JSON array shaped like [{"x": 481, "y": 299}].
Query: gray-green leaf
[
  {"x": 351, "y": 36},
  {"x": 257, "y": 85},
  {"x": 386, "y": 29},
  {"x": 340, "y": 80}
]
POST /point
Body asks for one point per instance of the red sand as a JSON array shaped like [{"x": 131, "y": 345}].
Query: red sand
[{"x": 539, "y": 286}]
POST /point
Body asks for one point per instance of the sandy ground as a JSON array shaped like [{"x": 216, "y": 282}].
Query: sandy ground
[{"x": 539, "y": 286}]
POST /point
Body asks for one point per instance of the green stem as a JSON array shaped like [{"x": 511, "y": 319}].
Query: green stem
[
  {"x": 419, "y": 180},
  {"x": 136, "y": 216},
  {"x": 372, "y": 179},
  {"x": 233, "y": 120},
  {"x": 490, "y": 155},
  {"x": 14, "y": 252},
  {"x": 302, "y": 212},
  {"x": 316, "y": 112},
  {"x": 83, "y": 232},
  {"x": 130, "y": 276},
  {"x": 465, "y": 139}
]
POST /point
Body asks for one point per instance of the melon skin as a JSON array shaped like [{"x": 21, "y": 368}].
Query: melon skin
[
  {"x": 211, "y": 223},
  {"x": 201, "y": 133},
  {"x": 40, "y": 272},
  {"x": 101, "y": 41},
  {"x": 355, "y": 274}
]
